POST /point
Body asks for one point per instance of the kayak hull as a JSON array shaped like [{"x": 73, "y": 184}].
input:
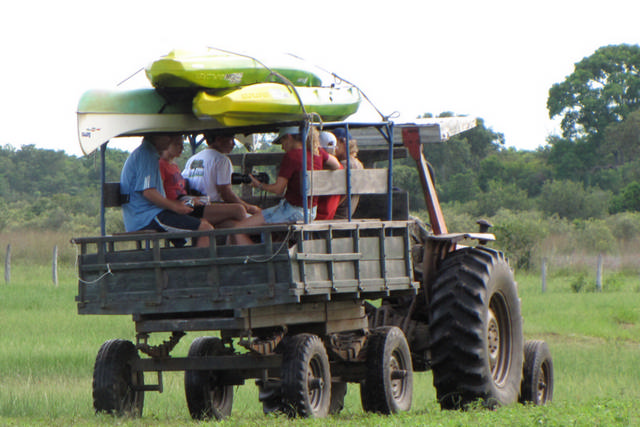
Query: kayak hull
[
  {"x": 214, "y": 69},
  {"x": 271, "y": 102}
]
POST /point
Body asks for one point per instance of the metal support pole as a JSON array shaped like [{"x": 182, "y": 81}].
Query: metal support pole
[
  {"x": 304, "y": 131},
  {"x": 389, "y": 129},
  {"x": 103, "y": 150},
  {"x": 348, "y": 150}
]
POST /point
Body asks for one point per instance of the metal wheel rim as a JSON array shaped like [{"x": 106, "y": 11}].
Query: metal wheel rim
[
  {"x": 543, "y": 381},
  {"x": 498, "y": 342},
  {"x": 315, "y": 383},
  {"x": 398, "y": 384},
  {"x": 217, "y": 396}
]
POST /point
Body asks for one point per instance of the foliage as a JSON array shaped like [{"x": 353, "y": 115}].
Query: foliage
[
  {"x": 570, "y": 199},
  {"x": 603, "y": 89},
  {"x": 519, "y": 235}
]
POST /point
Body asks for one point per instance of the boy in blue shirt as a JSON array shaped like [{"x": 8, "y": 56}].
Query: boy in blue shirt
[{"x": 148, "y": 208}]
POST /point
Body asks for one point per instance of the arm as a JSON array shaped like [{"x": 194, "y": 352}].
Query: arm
[
  {"x": 332, "y": 163},
  {"x": 159, "y": 200},
  {"x": 230, "y": 197},
  {"x": 277, "y": 187}
]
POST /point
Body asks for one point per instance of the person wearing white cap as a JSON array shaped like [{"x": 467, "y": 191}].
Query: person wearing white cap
[
  {"x": 328, "y": 205},
  {"x": 288, "y": 182},
  {"x": 328, "y": 142}
]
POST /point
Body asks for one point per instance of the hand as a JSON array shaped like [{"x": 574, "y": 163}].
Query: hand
[
  {"x": 255, "y": 183},
  {"x": 180, "y": 207}
]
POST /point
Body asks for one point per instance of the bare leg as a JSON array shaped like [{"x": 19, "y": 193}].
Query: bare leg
[
  {"x": 203, "y": 241},
  {"x": 218, "y": 213},
  {"x": 252, "y": 221}
]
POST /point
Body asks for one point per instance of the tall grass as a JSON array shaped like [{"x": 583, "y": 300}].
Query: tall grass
[{"x": 48, "y": 351}]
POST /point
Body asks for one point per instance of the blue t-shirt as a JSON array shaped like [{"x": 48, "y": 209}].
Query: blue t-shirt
[{"x": 140, "y": 172}]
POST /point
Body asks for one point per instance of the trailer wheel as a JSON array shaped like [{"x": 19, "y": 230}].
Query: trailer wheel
[
  {"x": 306, "y": 377},
  {"x": 476, "y": 330},
  {"x": 116, "y": 386},
  {"x": 206, "y": 397},
  {"x": 537, "y": 382},
  {"x": 388, "y": 384}
]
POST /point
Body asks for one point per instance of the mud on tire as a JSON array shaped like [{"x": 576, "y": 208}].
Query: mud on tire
[{"x": 476, "y": 330}]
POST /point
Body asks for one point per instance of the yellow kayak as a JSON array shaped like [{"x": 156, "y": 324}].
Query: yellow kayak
[{"x": 272, "y": 102}]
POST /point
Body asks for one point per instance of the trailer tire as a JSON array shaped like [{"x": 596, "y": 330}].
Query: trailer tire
[
  {"x": 476, "y": 330},
  {"x": 116, "y": 387},
  {"x": 306, "y": 377},
  {"x": 388, "y": 384},
  {"x": 537, "y": 381},
  {"x": 206, "y": 397}
]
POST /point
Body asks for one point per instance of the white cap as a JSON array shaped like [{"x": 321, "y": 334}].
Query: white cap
[{"x": 328, "y": 141}]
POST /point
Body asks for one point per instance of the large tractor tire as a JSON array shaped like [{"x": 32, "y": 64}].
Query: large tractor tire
[
  {"x": 537, "y": 383},
  {"x": 476, "y": 330},
  {"x": 117, "y": 388},
  {"x": 388, "y": 385},
  {"x": 206, "y": 397},
  {"x": 306, "y": 377}
]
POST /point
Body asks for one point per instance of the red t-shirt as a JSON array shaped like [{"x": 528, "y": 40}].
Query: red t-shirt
[
  {"x": 172, "y": 180},
  {"x": 291, "y": 167},
  {"x": 328, "y": 205}
]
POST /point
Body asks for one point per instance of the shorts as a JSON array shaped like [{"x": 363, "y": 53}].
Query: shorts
[
  {"x": 170, "y": 221},
  {"x": 198, "y": 211},
  {"x": 286, "y": 212}
]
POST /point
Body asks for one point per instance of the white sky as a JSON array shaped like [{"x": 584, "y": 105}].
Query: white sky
[{"x": 490, "y": 59}]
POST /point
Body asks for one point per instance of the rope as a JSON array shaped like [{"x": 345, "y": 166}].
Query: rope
[
  {"x": 270, "y": 257},
  {"x": 91, "y": 282}
]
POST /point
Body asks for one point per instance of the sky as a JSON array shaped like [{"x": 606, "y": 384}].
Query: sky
[{"x": 490, "y": 59}]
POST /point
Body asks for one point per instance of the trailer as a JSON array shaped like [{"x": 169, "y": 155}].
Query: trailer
[{"x": 312, "y": 306}]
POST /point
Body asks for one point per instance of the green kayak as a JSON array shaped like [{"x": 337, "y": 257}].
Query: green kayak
[
  {"x": 272, "y": 102},
  {"x": 214, "y": 69}
]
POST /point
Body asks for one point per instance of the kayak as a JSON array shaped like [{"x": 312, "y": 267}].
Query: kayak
[
  {"x": 214, "y": 69},
  {"x": 105, "y": 114},
  {"x": 272, "y": 102}
]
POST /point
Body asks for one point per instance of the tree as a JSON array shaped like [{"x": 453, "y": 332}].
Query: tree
[
  {"x": 603, "y": 89},
  {"x": 622, "y": 140}
]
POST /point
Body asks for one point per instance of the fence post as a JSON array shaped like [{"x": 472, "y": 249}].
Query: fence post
[
  {"x": 7, "y": 265},
  {"x": 544, "y": 275},
  {"x": 54, "y": 266},
  {"x": 599, "y": 274}
]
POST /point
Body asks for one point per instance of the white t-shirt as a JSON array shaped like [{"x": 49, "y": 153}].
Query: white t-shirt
[{"x": 206, "y": 170}]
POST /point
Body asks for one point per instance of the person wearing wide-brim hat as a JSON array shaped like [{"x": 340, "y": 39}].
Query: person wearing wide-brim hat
[{"x": 288, "y": 182}]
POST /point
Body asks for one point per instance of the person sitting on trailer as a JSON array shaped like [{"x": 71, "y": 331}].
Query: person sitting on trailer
[
  {"x": 290, "y": 208},
  {"x": 209, "y": 171},
  {"x": 327, "y": 205},
  {"x": 341, "y": 135},
  {"x": 147, "y": 207},
  {"x": 220, "y": 215}
]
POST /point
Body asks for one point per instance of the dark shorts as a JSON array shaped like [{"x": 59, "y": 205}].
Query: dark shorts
[
  {"x": 198, "y": 211},
  {"x": 170, "y": 221}
]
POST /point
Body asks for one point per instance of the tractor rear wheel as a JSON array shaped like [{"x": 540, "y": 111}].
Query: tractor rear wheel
[{"x": 476, "y": 330}]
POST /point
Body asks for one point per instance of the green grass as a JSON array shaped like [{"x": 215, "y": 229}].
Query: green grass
[{"x": 47, "y": 353}]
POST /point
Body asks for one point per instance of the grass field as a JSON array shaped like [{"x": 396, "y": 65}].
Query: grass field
[{"x": 47, "y": 353}]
